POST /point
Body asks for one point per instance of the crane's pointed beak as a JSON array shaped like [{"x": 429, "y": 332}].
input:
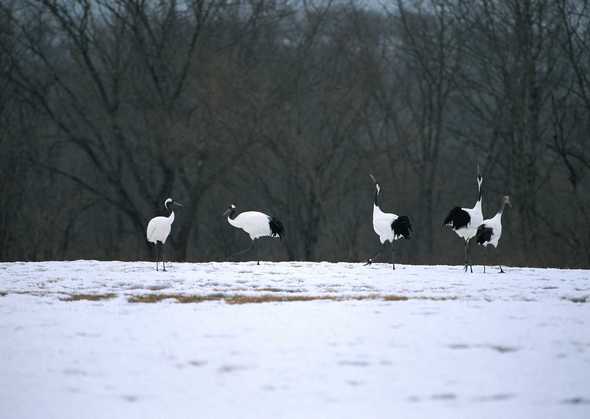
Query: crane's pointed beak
[
  {"x": 178, "y": 204},
  {"x": 226, "y": 212},
  {"x": 372, "y": 178}
]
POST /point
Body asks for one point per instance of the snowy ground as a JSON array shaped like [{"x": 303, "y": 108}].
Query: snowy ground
[{"x": 292, "y": 340}]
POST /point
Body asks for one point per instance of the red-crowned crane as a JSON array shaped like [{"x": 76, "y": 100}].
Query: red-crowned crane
[
  {"x": 158, "y": 230},
  {"x": 256, "y": 224},
  {"x": 388, "y": 226},
  {"x": 465, "y": 221},
  {"x": 490, "y": 231}
]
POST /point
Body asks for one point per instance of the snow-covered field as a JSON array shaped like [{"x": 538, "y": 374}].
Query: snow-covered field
[{"x": 92, "y": 339}]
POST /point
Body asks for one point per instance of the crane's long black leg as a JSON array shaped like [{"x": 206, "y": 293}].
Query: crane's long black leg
[
  {"x": 468, "y": 257},
  {"x": 163, "y": 262},
  {"x": 157, "y": 257},
  {"x": 499, "y": 265},
  {"x": 470, "y": 263},
  {"x": 257, "y": 257},
  {"x": 393, "y": 256},
  {"x": 370, "y": 260},
  {"x": 466, "y": 247},
  {"x": 485, "y": 261}
]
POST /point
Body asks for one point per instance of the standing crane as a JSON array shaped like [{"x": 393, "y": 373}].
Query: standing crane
[
  {"x": 490, "y": 231},
  {"x": 256, "y": 224},
  {"x": 465, "y": 221},
  {"x": 388, "y": 226},
  {"x": 158, "y": 230}
]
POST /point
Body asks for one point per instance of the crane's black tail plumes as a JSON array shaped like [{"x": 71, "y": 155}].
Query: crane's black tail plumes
[
  {"x": 402, "y": 227},
  {"x": 457, "y": 218},
  {"x": 484, "y": 234},
  {"x": 276, "y": 228}
]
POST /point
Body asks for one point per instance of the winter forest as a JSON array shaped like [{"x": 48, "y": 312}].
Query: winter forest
[{"x": 108, "y": 107}]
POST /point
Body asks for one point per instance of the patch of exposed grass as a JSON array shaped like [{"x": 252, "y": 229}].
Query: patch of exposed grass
[
  {"x": 89, "y": 297},
  {"x": 256, "y": 299},
  {"x": 148, "y": 298},
  {"x": 273, "y": 297},
  {"x": 198, "y": 298},
  {"x": 270, "y": 298},
  {"x": 180, "y": 298},
  {"x": 395, "y": 298}
]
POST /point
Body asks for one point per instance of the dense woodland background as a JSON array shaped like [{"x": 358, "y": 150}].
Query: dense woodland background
[{"x": 107, "y": 107}]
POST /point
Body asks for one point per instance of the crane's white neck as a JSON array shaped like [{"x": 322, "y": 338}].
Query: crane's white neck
[
  {"x": 376, "y": 210},
  {"x": 232, "y": 221},
  {"x": 377, "y": 192},
  {"x": 477, "y": 209},
  {"x": 478, "y": 204},
  {"x": 479, "y": 182}
]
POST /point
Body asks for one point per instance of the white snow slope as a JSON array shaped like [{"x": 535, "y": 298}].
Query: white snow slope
[{"x": 356, "y": 341}]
